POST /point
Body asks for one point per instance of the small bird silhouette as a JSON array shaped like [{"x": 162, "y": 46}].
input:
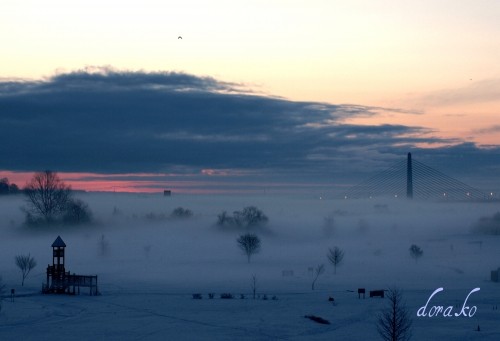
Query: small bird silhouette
[{"x": 179, "y": 37}]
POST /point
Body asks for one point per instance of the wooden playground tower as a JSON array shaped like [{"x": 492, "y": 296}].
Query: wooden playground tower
[{"x": 61, "y": 282}]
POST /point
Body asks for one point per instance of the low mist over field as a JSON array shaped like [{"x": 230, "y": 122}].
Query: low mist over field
[{"x": 135, "y": 238}]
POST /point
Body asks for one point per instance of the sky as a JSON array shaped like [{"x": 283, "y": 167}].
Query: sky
[{"x": 256, "y": 95}]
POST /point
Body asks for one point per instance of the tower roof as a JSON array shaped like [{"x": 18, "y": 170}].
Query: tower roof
[{"x": 58, "y": 242}]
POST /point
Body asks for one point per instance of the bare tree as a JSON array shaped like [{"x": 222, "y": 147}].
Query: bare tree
[
  {"x": 319, "y": 270},
  {"x": 416, "y": 252},
  {"x": 254, "y": 285},
  {"x": 249, "y": 243},
  {"x": 25, "y": 264},
  {"x": 77, "y": 212},
  {"x": 250, "y": 217},
  {"x": 47, "y": 195},
  {"x": 394, "y": 323},
  {"x": 181, "y": 213},
  {"x": 335, "y": 256}
]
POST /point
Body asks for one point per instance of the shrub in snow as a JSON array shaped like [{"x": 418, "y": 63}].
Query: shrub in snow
[
  {"x": 317, "y": 319},
  {"x": 416, "y": 252},
  {"x": 76, "y": 212},
  {"x": 181, "y": 212}
]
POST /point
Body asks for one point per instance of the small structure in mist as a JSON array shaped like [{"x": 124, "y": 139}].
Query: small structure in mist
[
  {"x": 167, "y": 193},
  {"x": 61, "y": 282}
]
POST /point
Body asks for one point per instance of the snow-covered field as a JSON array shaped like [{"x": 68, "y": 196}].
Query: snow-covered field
[{"x": 149, "y": 268}]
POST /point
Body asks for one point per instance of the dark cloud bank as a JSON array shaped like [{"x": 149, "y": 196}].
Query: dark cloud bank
[{"x": 134, "y": 122}]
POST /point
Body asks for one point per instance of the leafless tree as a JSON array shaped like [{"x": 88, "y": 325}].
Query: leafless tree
[
  {"x": 181, "y": 213},
  {"x": 254, "y": 285},
  {"x": 394, "y": 323},
  {"x": 77, "y": 212},
  {"x": 416, "y": 252},
  {"x": 47, "y": 195},
  {"x": 319, "y": 270},
  {"x": 335, "y": 256},
  {"x": 249, "y": 243},
  {"x": 250, "y": 217},
  {"x": 25, "y": 264}
]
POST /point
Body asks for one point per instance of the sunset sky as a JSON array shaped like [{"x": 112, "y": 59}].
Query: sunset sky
[{"x": 256, "y": 94}]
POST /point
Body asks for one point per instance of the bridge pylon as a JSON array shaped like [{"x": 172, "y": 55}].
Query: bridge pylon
[{"x": 409, "y": 178}]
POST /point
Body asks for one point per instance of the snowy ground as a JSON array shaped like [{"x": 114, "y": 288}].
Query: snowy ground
[{"x": 148, "y": 270}]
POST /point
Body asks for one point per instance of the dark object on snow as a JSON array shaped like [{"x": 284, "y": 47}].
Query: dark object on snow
[
  {"x": 331, "y": 299},
  {"x": 361, "y": 291},
  {"x": 211, "y": 296},
  {"x": 226, "y": 296},
  {"x": 478, "y": 329},
  {"x": 61, "y": 282},
  {"x": 274, "y": 298},
  {"x": 317, "y": 319},
  {"x": 377, "y": 293},
  {"x": 242, "y": 296},
  {"x": 495, "y": 275},
  {"x": 264, "y": 297},
  {"x": 197, "y": 296},
  {"x": 167, "y": 193}
]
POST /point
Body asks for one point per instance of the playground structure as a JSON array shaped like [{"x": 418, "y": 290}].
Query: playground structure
[{"x": 61, "y": 282}]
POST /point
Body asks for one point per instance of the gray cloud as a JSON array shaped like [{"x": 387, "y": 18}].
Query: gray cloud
[{"x": 133, "y": 122}]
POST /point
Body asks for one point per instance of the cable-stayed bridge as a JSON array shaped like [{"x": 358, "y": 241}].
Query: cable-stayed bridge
[{"x": 413, "y": 179}]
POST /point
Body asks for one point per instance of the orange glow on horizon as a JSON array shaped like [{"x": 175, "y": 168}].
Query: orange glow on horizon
[
  {"x": 93, "y": 182},
  {"x": 142, "y": 183}
]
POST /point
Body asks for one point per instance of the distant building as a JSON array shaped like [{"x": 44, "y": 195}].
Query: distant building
[{"x": 167, "y": 193}]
